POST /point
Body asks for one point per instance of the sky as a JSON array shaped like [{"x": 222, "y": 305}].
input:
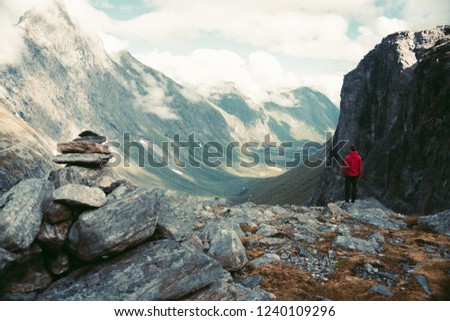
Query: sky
[{"x": 262, "y": 46}]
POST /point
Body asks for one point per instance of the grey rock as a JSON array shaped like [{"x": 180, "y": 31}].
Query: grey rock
[
  {"x": 302, "y": 237},
  {"x": 246, "y": 213},
  {"x": 193, "y": 242},
  {"x": 160, "y": 270},
  {"x": 82, "y": 147},
  {"x": 422, "y": 280},
  {"x": 354, "y": 243},
  {"x": 56, "y": 212},
  {"x": 176, "y": 215},
  {"x": 267, "y": 230},
  {"x": 272, "y": 241},
  {"x": 439, "y": 222},
  {"x": 60, "y": 264},
  {"x": 380, "y": 290},
  {"x": 227, "y": 249},
  {"x": 369, "y": 268},
  {"x": 267, "y": 258},
  {"x": 82, "y": 159},
  {"x": 212, "y": 228},
  {"x": 377, "y": 217},
  {"x": 21, "y": 212},
  {"x": 53, "y": 236},
  {"x": 80, "y": 195},
  {"x": 252, "y": 281},
  {"x": 115, "y": 226},
  {"x": 335, "y": 210},
  {"x": 103, "y": 177},
  {"x": 121, "y": 191},
  {"x": 377, "y": 238},
  {"x": 224, "y": 291}
]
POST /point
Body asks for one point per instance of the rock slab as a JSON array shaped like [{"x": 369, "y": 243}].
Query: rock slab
[
  {"x": 115, "y": 226},
  {"x": 160, "y": 270},
  {"x": 21, "y": 212},
  {"x": 80, "y": 195},
  {"x": 82, "y": 159}
]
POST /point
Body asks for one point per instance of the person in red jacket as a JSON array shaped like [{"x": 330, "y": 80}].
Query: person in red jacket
[{"x": 352, "y": 172}]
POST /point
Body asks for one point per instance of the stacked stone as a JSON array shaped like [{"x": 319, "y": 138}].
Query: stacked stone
[{"x": 86, "y": 150}]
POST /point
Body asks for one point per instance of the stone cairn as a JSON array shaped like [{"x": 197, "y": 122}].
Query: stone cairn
[{"x": 86, "y": 150}]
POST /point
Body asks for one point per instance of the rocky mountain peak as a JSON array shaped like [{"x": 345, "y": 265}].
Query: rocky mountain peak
[{"x": 394, "y": 108}]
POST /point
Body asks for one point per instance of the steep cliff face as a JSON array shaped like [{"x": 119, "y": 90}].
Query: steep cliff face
[{"x": 395, "y": 109}]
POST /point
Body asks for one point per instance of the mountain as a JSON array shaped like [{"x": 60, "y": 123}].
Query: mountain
[
  {"x": 23, "y": 152},
  {"x": 298, "y": 115},
  {"x": 65, "y": 82},
  {"x": 395, "y": 109}
]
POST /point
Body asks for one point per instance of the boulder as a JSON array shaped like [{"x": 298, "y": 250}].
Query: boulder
[
  {"x": 267, "y": 230},
  {"x": 21, "y": 212},
  {"x": 82, "y": 147},
  {"x": 52, "y": 236},
  {"x": 267, "y": 258},
  {"x": 160, "y": 270},
  {"x": 82, "y": 159},
  {"x": 56, "y": 212},
  {"x": 353, "y": 243},
  {"x": 26, "y": 272},
  {"x": 439, "y": 222},
  {"x": 212, "y": 228},
  {"x": 227, "y": 248},
  {"x": 80, "y": 195},
  {"x": 176, "y": 215},
  {"x": 103, "y": 177},
  {"x": 115, "y": 226}
]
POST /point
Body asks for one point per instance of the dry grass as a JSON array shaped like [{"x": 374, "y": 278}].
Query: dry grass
[{"x": 288, "y": 282}]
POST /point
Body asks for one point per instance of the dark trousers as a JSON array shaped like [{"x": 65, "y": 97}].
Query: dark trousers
[{"x": 350, "y": 185}]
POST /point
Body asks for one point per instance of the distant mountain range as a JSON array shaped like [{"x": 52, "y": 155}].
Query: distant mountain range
[{"x": 65, "y": 82}]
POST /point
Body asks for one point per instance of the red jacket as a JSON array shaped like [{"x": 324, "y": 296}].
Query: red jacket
[{"x": 352, "y": 165}]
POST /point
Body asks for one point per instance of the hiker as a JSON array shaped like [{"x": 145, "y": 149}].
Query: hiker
[{"x": 352, "y": 172}]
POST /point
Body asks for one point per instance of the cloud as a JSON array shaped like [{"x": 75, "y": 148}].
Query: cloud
[
  {"x": 10, "y": 36},
  {"x": 207, "y": 70}
]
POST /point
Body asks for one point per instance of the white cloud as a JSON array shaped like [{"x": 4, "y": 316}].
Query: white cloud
[
  {"x": 207, "y": 70},
  {"x": 314, "y": 30}
]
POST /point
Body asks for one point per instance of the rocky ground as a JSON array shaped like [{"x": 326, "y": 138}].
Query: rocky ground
[
  {"x": 86, "y": 234},
  {"x": 361, "y": 251}
]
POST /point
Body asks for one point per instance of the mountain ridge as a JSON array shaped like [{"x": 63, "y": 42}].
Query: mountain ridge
[{"x": 66, "y": 82}]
